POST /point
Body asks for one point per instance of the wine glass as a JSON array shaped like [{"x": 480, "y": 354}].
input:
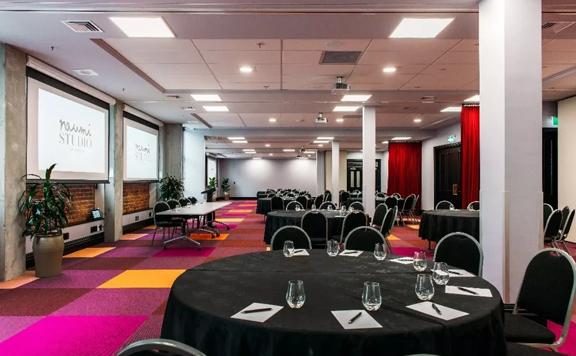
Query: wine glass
[
  {"x": 297, "y": 208},
  {"x": 380, "y": 251},
  {"x": 440, "y": 273},
  {"x": 420, "y": 262},
  {"x": 332, "y": 248},
  {"x": 424, "y": 287},
  {"x": 288, "y": 249},
  {"x": 343, "y": 210},
  {"x": 295, "y": 295},
  {"x": 329, "y": 207},
  {"x": 371, "y": 296},
  {"x": 313, "y": 206}
]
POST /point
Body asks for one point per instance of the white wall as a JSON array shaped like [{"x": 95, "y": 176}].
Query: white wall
[
  {"x": 342, "y": 170},
  {"x": 248, "y": 176},
  {"x": 194, "y": 164},
  {"x": 441, "y": 138},
  {"x": 566, "y": 150}
]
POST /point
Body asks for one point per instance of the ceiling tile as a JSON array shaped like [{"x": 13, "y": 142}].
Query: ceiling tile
[
  {"x": 466, "y": 45},
  {"x": 459, "y": 57},
  {"x": 222, "y": 119},
  {"x": 239, "y": 58},
  {"x": 325, "y": 45},
  {"x": 238, "y": 45},
  {"x": 183, "y": 69},
  {"x": 185, "y": 82},
  {"x": 250, "y": 85},
  {"x": 399, "y": 58},
  {"x": 559, "y": 57},
  {"x": 399, "y": 45},
  {"x": 150, "y": 50},
  {"x": 301, "y": 57},
  {"x": 559, "y": 45}
]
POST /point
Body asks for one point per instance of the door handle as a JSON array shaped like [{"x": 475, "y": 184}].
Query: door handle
[{"x": 454, "y": 189}]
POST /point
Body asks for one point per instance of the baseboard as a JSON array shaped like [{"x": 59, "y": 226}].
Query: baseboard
[
  {"x": 72, "y": 246},
  {"x": 137, "y": 225},
  {"x": 243, "y": 198}
]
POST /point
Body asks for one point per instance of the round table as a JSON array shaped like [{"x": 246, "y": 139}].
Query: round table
[
  {"x": 435, "y": 224},
  {"x": 279, "y": 218},
  {"x": 263, "y": 205},
  {"x": 352, "y": 200},
  {"x": 202, "y": 300}
]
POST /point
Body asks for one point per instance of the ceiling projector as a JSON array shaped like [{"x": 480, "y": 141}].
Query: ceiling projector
[
  {"x": 340, "y": 85},
  {"x": 321, "y": 119}
]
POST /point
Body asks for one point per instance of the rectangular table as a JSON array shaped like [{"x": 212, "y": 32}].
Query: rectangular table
[{"x": 194, "y": 211}]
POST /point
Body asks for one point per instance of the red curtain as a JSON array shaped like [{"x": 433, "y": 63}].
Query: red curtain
[
  {"x": 405, "y": 168},
  {"x": 470, "y": 162}
]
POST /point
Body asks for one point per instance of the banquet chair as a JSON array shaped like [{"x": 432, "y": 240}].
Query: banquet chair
[
  {"x": 327, "y": 196},
  {"x": 552, "y": 227},
  {"x": 293, "y": 204},
  {"x": 543, "y": 297},
  {"x": 548, "y": 209},
  {"x": 514, "y": 349},
  {"x": 565, "y": 230},
  {"x": 184, "y": 202},
  {"x": 344, "y": 198},
  {"x": 379, "y": 215},
  {"x": 407, "y": 206},
  {"x": 363, "y": 238},
  {"x": 473, "y": 206},
  {"x": 173, "y": 203},
  {"x": 397, "y": 195},
  {"x": 292, "y": 233},
  {"x": 565, "y": 213},
  {"x": 318, "y": 201},
  {"x": 460, "y": 250},
  {"x": 276, "y": 203},
  {"x": 163, "y": 222},
  {"x": 353, "y": 220},
  {"x": 413, "y": 208},
  {"x": 303, "y": 201},
  {"x": 381, "y": 195},
  {"x": 391, "y": 201},
  {"x": 160, "y": 347},
  {"x": 271, "y": 195},
  {"x": 357, "y": 206},
  {"x": 444, "y": 205},
  {"x": 326, "y": 204},
  {"x": 316, "y": 226},
  {"x": 388, "y": 224}
]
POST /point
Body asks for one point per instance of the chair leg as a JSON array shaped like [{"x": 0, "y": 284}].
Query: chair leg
[{"x": 154, "y": 235}]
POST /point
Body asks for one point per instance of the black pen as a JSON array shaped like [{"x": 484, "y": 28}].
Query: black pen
[
  {"x": 297, "y": 251},
  {"x": 355, "y": 318},
  {"x": 348, "y": 252},
  {"x": 436, "y": 309},
  {"x": 467, "y": 290},
  {"x": 456, "y": 273},
  {"x": 256, "y": 310}
]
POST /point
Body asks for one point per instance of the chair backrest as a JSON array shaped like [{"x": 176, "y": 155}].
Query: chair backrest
[
  {"x": 379, "y": 214},
  {"x": 327, "y": 196},
  {"x": 397, "y": 195},
  {"x": 380, "y": 195},
  {"x": 357, "y": 206},
  {"x": 158, "y": 207},
  {"x": 173, "y": 203},
  {"x": 408, "y": 202},
  {"x": 444, "y": 205},
  {"x": 292, "y": 233},
  {"x": 326, "y": 204},
  {"x": 276, "y": 203},
  {"x": 184, "y": 202},
  {"x": 293, "y": 204},
  {"x": 363, "y": 238},
  {"x": 548, "y": 287},
  {"x": 548, "y": 209},
  {"x": 344, "y": 196},
  {"x": 160, "y": 347},
  {"x": 391, "y": 201},
  {"x": 302, "y": 200},
  {"x": 318, "y": 201},
  {"x": 461, "y": 250},
  {"x": 353, "y": 220},
  {"x": 565, "y": 213},
  {"x": 415, "y": 203},
  {"x": 315, "y": 224},
  {"x": 388, "y": 221},
  {"x": 553, "y": 224},
  {"x": 567, "y": 225},
  {"x": 271, "y": 195},
  {"x": 473, "y": 206}
]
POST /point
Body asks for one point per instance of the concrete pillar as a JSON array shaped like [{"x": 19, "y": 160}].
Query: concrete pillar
[
  {"x": 320, "y": 172},
  {"x": 369, "y": 159},
  {"x": 193, "y": 160},
  {"x": 335, "y": 170},
  {"x": 173, "y": 150},
  {"x": 13, "y": 160},
  {"x": 510, "y": 139},
  {"x": 113, "y": 191}
]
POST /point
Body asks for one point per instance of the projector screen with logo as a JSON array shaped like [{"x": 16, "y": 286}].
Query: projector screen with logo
[
  {"x": 140, "y": 152},
  {"x": 66, "y": 130}
]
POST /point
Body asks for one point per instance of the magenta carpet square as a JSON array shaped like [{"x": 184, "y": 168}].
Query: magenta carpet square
[
  {"x": 185, "y": 252},
  {"x": 405, "y": 251},
  {"x": 75, "y": 279},
  {"x": 11, "y": 325},
  {"x": 73, "y": 335},
  {"x": 116, "y": 302},
  {"x": 170, "y": 263},
  {"x": 137, "y": 251}
]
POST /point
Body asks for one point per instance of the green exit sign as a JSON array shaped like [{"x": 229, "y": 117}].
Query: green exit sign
[
  {"x": 554, "y": 120},
  {"x": 451, "y": 138}
]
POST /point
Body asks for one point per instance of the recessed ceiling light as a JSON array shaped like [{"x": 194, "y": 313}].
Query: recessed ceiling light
[
  {"x": 356, "y": 97},
  {"x": 320, "y": 141},
  {"x": 389, "y": 69},
  {"x": 417, "y": 120},
  {"x": 86, "y": 72},
  {"x": 256, "y": 158},
  {"x": 320, "y": 145},
  {"x": 345, "y": 108},
  {"x": 239, "y": 141},
  {"x": 272, "y": 119},
  {"x": 325, "y": 138},
  {"x": 339, "y": 120},
  {"x": 309, "y": 152},
  {"x": 473, "y": 99},
  {"x": 216, "y": 108},
  {"x": 270, "y": 154},
  {"x": 452, "y": 109},
  {"x": 267, "y": 145},
  {"x": 288, "y": 150},
  {"x": 150, "y": 27},
  {"x": 420, "y": 27},
  {"x": 248, "y": 149},
  {"x": 384, "y": 142},
  {"x": 206, "y": 97},
  {"x": 401, "y": 138},
  {"x": 236, "y": 138},
  {"x": 246, "y": 69}
]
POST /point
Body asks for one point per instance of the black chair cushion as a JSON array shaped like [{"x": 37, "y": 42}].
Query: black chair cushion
[{"x": 520, "y": 329}]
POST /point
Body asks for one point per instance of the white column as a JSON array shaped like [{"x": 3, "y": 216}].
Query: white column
[
  {"x": 114, "y": 191},
  {"x": 510, "y": 139},
  {"x": 193, "y": 161},
  {"x": 320, "y": 172},
  {"x": 369, "y": 159},
  {"x": 335, "y": 170}
]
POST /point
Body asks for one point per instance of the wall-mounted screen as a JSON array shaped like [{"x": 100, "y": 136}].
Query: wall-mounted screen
[
  {"x": 140, "y": 151},
  {"x": 67, "y": 130}
]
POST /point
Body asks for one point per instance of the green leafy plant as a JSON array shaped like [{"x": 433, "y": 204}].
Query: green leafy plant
[
  {"x": 171, "y": 188},
  {"x": 225, "y": 186},
  {"x": 212, "y": 182},
  {"x": 44, "y": 206}
]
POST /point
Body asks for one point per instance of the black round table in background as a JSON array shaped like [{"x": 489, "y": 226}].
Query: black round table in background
[
  {"x": 202, "y": 300},
  {"x": 435, "y": 224},
  {"x": 264, "y": 205},
  {"x": 279, "y": 218}
]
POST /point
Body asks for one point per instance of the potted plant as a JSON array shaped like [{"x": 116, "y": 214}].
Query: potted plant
[
  {"x": 225, "y": 186},
  {"x": 171, "y": 188},
  {"x": 212, "y": 185},
  {"x": 44, "y": 206}
]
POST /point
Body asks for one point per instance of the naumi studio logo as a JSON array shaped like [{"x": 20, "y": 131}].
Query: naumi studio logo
[{"x": 74, "y": 136}]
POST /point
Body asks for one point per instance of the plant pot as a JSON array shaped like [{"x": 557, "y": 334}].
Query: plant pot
[
  {"x": 226, "y": 196},
  {"x": 48, "y": 251}
]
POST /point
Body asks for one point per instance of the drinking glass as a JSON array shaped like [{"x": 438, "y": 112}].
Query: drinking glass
[
  {"x": 424, "y": 287},
  {"x": 380, "y": 251},
  {"x": 295, "y": 296},
  {"x": 420, "y": 262},
  {"x": 329, "y": 207},
  {"x": 288, "y": 249},
  {"x": 371, "y": 296},
  {"x": 440, "y": 273},
  {"x": 297, "y": 208},
  {"x": 313, "y": 206},
  {"x": 343, "y": 210},
  {"x": 332, "y": 248}
]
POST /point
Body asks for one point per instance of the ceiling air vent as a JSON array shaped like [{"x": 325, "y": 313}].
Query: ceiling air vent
[
  {"x": 340, "y": 57},
  {"x": 82, "y": 26},
  {"x": 427, "y": 99},
  {"x": 557, "y": 26}
]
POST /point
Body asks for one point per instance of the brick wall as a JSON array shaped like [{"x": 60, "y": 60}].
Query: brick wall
[
  {"x": 136, "y": 197},
  {"x": 83, "y": 201}
]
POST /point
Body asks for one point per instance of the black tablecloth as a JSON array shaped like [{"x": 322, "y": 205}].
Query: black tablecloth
[
  {"x": 351, "y": 200},
  {"x": 202, "y": 300},
  {"x": 277, "y": 219},
  {"x": 435, "y": 224},
  {"x": 261, "y": 194},
  {"x": 263, "y": 204}
]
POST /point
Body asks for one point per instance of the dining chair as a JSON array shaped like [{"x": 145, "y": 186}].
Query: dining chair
[
  {"x": 363, "y": 238},
  {"x": 173, "y": 203},
  {"x": 327, "y": 196},
  {"x": 163, "y": 222},
  {"x": 316, "y": 226},
  {"x": 565, "y": 230},
  {"x": 151, "y": 347},
  {"x": 391, "y": 201},
  {"x": 565, "y": 213},
  {"x": 552, "y": 228},
  {"x": 302, "y": 200},
  {"x": 379, "y": 215},
  {"x": 357, "y": 206},
  {"x": 460, "y": 250},
  {"x": 326, "y": 204},
  {"x": 293, "y": 204},
  {"x": 344, "y": 198},
  {"x": 292, "y": 233},
  {"x": 473, "y": 206},
  {"x": 405, "y": 211},
  {"x": 547, "y": 292},
  {"x": 276, "y": 203},
  {"x": 388, "y": 222},
  {"x": 318, "y": 201},
  {"x": 184, "y": 202},
  {"x": 547, "y": 209},
  {"x": 353, "y": 220},
  {"x": 413, "y": 209},
  {"x": 444, "y": 205}
]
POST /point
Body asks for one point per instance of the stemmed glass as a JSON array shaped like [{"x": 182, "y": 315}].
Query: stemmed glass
[
  {"x": 420, "y": 262},
  {"x": 440, "y": 273},
  {"x": 380, "y": 251},
  {"x": 343, "y": 210},
  {"x": 313, "y": 207},
  {"x": 329, "y": 207},
  {"x": 424, "y": 287},
  {"x": 332, "y": 248},
  {"x": 288, "y": 249},
  {"x": 371, "y": 296},
  {"x": 295, "y": 295},
  {"x": 297, "y": 208}
]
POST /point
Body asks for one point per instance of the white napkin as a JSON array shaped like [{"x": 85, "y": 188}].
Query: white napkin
[
  {"x": 480, "y": 292},
  {"x": 403, "y": 260},
  {"x": 351, "y": 253},
  {"x": 447, "y": 313},
  {"x": 459, "y": 273},
  {"x": 364, "y": 321},
  {"x": 301, "y": 252},
  {"x": 258, "y": 316}
]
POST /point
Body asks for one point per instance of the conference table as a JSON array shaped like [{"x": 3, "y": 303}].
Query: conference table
[
  {"x": 279, "y": 218},
  {"x": 435, "y": 224},
  {"x": 203, "y": 299}
]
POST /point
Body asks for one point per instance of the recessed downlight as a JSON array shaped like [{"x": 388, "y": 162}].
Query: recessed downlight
[
  {"x": 417, "y": 120},
  {"x": 384, "y": 142},
  {"x": 267, "y": 145},
  {"x": 246, "y": 69},
  {"x": 288, "y": 150},
  {"x": 452, "y": 109},
  {"x": 389, "y": 69},
  {"x": 272, "y": 120},
  {"x": 339, "y": 120}
]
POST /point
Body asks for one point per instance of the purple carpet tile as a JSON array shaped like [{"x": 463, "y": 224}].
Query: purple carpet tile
[
  {"x": 75, "y": 279},
  {"x": 185, "y": 252}
]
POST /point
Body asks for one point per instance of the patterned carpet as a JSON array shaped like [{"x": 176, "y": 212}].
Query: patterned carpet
[{"x": 115, "y": 293}]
